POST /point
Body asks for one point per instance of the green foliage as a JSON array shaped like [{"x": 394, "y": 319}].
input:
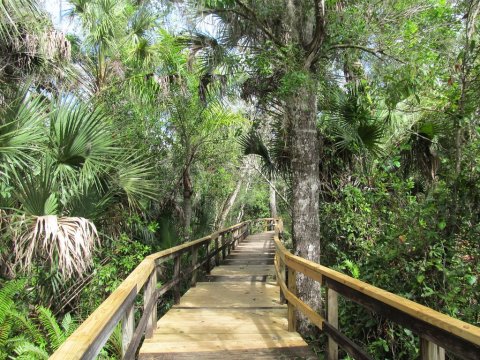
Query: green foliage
[
  {"x": 28, "y": 336},
  {"x": 112, "y": 266}
]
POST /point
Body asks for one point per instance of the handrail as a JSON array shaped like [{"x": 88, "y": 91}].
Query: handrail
[
  {"x": 90, "y": 337},
  {"x": 438, "y": 331}
]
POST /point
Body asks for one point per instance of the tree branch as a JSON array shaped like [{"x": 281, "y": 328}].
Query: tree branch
[
  {"x": 375, "y": 52},
  {"x": 250, "y": 15}
]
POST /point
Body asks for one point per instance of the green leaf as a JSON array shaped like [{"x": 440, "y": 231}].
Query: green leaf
[
  {"x": 442, "y": 224},
  {"x": 471, "y": 279}
]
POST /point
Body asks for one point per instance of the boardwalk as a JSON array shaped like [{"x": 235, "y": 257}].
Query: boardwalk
[{"x": 234, "y": 314}]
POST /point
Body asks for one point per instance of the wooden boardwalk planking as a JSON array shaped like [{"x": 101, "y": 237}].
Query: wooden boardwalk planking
[{"x": 235, "y": 315}]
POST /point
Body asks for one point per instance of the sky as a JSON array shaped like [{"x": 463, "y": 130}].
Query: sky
[{"x": 58, "y": 9}]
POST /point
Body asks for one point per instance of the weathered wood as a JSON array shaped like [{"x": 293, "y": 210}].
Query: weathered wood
[
  {"x": 315, "y": 318},
  {"x": 139, "y": 331},
  {"x": 462, "y": 330},
  {"x": 128, "y": 327},
  {"x": 148, "y": 295},
  {"x": 194, "y": 263},
  {"x": 224, "y": 250},
  {"x": 217, "y": 252},
  {"x": 431, "y": 351},
  {"x": 433, "y": 333},
  {"x": 91, "y": 335},
  {"x": 332, "y": 317},
  {"x": 227, "y": 320},
  {"x": 176, "y": 275},
  {"x": 345, "y": 343},
  {"x": 291, "y": 282},
  {"x": 208, "y": 265},
  {"x": 81, "y": 344}
]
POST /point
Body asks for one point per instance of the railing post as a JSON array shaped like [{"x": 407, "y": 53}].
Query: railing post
[
  {"x": 217, "y": 254},
  {"x": 207, "y": 263},
  {"x": 176, "y": 276},
  {"x": 234, "y": 238},
  {"x": 431, "y": 351},
  {"x": 292, "y": 286},
  {"x": 224, "y": 250},
  {"x": 282, "y": 270},
  {"x": 148, "y": 294},
  {"x": 193, "y": 283},
  {"x": 332, "y": 318},
  {"x": 128, "y": 327}
]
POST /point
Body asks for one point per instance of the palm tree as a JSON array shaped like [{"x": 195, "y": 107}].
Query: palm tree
[{"x": 60, "y": 192}]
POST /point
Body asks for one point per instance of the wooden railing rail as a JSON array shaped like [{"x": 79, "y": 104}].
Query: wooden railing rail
[
  {"x": 91, "y": 336},
  {"x": 438, "y": 332}
]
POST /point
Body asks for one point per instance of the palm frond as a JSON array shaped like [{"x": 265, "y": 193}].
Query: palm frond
[
  {"x": 135, "y": 177},
  {"x": 36, "y": 190},
  {"x": 252, "y": 144},
  {"x": 81, "y": 142},
  {"x": 65, "y": 241},
  {"x": 21, "y": 131}
]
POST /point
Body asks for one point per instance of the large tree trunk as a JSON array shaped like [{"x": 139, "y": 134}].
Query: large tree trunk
[
  {"x": 301, "y": 111},
  {"x": 187, "y": 203}
]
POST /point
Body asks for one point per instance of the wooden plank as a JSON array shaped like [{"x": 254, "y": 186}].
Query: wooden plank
[
  {"x": 315, "y": 318},
  {"x": 84, "y": 345},
  {"x": 433, "y": 333},
  {"x": 244, "y": 270},
  {"x": 176, "y": 275},
  {"x": 140, "y": 330},
  {"x": 431, "y": 351},
  {"x": 348, "y": 345},
  {"x": 294, "y": 352},
  {"x": 332, "y": 317},
  {"x": 238, "y": 278},
  {"x": 234, "y": 293},
  {"x": 149, "y": 296},
  {"x": 128, "y": 327},
  {"x": 292, "y": 287},
  {"x": 194, "y": 263},
  {"x": 86, "y": 340}
]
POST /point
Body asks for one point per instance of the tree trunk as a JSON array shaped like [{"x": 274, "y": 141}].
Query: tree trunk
[
  {"x": 187, "y": 202},
  {"x": 273, "y": 201},
  {"x": 301, "y": 110},
  {"x": 229, "y": 204}
]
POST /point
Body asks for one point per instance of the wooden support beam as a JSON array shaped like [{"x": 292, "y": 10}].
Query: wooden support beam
[
  {"x": 193, "y": 282},
  {"x": 128, "y": 327},
  {"x": 431, "y": 351},
  {"x": 208, "y": 266},
  {"x": 217, "y": 253},
  {"x": 292, "y": 287},
  {"x": 148, "y": 294},
  {"x": 332, "y": 318},
  {"x": 348, "y": 345},
  {"x": 224, "y": 250},
  {"x": 436, "y": 334},
  {"x": 176, "y": 275}
]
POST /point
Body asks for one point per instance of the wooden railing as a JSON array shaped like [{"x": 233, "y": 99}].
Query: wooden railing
[
  {"x": 91, "y": 336},
  {"x": 438, "y": 332}
]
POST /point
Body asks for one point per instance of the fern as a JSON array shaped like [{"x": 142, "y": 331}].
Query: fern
[
  {"x": 29, "y": 351},
  {"x": 51, "y": 327}
]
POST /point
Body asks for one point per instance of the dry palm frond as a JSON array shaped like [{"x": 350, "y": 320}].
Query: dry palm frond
[{"x": 66, "y": 241}]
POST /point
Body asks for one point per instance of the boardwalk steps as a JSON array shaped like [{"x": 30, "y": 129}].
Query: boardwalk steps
[{"x": 234, "y": 314}]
